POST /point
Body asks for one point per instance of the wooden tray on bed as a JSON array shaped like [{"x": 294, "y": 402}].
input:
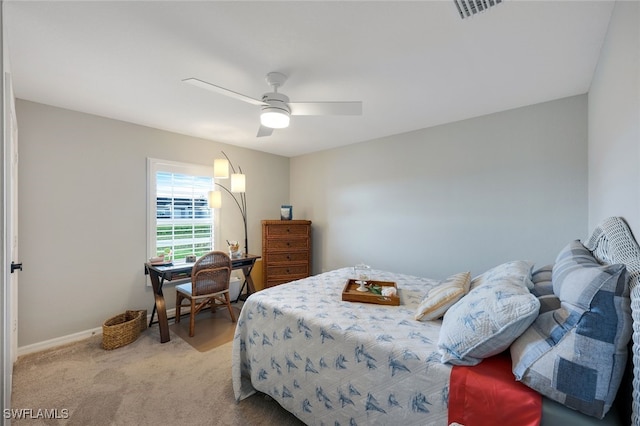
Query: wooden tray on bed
[{"x": 350, "y": 294}]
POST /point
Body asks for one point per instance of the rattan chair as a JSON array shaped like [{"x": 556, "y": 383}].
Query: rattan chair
[{"x": 209, "y": 285}]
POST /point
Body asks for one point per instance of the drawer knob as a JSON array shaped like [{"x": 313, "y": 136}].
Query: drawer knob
[
  {"x": 288, "y": 257},
  {"x": 288, "y": 230}
]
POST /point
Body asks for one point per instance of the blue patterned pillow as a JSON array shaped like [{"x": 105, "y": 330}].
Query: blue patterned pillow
[
  {"x": 576, "y": 354},
  {"x": 485, "y": 321}
]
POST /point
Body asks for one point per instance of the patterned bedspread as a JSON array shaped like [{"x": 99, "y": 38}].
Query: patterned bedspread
[{"x": 342, "y": 363}]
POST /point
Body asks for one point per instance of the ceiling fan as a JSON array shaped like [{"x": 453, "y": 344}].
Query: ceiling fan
[{"x": 276, "y": 108}]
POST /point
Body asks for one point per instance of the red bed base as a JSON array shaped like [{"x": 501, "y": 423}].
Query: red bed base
[{"x": 487, "y": 394}]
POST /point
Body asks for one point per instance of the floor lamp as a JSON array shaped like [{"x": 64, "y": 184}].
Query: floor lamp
[{"x": 238, "y": 186}]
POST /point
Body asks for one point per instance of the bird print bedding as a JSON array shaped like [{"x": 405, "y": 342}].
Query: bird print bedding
[{"x": 334, "y": 362}]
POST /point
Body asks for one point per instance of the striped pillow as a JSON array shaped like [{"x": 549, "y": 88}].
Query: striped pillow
[
  {"x": 543, "y": 288},
  {"x": 440, "y": 298},
  {"x": 541, "y": 279}
]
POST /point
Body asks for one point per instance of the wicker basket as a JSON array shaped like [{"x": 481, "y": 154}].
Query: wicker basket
[
  {"x": 122, "y": 329},
  {"x": 142, "y": 319}
]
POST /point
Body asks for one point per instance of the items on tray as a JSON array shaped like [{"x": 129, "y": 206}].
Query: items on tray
[
  {"x": 363, "y": 274},
  {"x": 379, "y": 292}
]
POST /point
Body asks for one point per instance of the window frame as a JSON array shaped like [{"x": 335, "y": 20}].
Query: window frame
[{"x": 155, "y": 165}]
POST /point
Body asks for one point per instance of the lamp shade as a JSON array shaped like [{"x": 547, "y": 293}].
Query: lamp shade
[
  {"x": 237, "y": 182},
  {"x": 215, "y": 199},
  {"x": 274, "y": 118},
  {"x": 221, "y": 168}
]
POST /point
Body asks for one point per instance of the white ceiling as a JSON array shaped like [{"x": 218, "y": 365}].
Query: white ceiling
[{"x": 414, "y": 64}]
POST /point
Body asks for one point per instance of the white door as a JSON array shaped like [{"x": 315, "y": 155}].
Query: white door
[
  {"x": 11, "y": 161},
  {"x": 10, "y": 227}
]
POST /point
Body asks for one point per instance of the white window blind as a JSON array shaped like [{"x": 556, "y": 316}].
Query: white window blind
[{"x": 180, "y": 219}]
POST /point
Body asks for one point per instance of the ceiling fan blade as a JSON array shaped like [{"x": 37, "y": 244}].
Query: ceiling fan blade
[
  {"x": 326, "y": 108},
  {"x": 264, "y": 131},
  {"x": 221, "y": 90}
]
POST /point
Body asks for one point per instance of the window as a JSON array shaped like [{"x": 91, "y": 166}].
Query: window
[{"x": 179, "y": 220}]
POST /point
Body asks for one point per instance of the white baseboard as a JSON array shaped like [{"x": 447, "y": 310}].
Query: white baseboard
[
  {"x": 71, "y": 338},
  {"x": 58, "y": 341}
]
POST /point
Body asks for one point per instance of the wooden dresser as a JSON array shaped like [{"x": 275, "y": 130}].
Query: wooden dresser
[{"x": 286, "y": 251}]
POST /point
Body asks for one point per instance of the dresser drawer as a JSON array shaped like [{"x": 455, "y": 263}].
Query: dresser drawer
[
  {"x": 294, "y": 256},
  {"x": 284, "y": 230},
  {"x": 293, "y": 269},
  {"x": 287, "y": 244},
  {"x": 271, "y": 282}
]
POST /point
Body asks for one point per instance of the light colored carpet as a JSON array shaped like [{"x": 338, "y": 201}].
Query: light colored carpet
[{"x": 143, "y": 383}]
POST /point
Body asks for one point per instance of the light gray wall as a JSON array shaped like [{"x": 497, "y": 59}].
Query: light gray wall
[
  {"x": 463, "y": 196},
  {"x": 614, "y": 122},
  {"x": 82, "y": 214}
]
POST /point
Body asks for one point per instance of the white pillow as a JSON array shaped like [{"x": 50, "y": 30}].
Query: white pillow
[
  {"x": 440, "y": 298},
  {"x": 517, "y": 271},
  {"x": 486, "y": 321}
]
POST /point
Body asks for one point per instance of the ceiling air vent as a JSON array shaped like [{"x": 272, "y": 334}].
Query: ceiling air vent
[{"x": 468, "y": 8}]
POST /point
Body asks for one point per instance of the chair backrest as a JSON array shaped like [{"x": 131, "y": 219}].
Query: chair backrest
[{"x": 211, "y": 273}]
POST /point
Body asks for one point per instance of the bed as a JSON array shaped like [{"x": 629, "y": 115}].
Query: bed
[{"x": 329, "y": 361}]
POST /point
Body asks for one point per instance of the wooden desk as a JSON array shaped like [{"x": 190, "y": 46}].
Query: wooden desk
[{"x": 158, "y": 274}]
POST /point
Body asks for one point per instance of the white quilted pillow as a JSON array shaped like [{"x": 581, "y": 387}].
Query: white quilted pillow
[
  {"x": 486, "y": 321},
  {"x": 440, "y": 298},
  {"x": 516, "y": 271}
]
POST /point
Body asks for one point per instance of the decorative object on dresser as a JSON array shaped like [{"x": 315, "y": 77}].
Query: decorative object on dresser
[
  {"x": 286, "y": 212},
  {"x": 286, "y": 251}
]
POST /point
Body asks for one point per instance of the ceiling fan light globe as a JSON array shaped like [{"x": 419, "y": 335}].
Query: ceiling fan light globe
[{"x": 274, "y": 118}]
